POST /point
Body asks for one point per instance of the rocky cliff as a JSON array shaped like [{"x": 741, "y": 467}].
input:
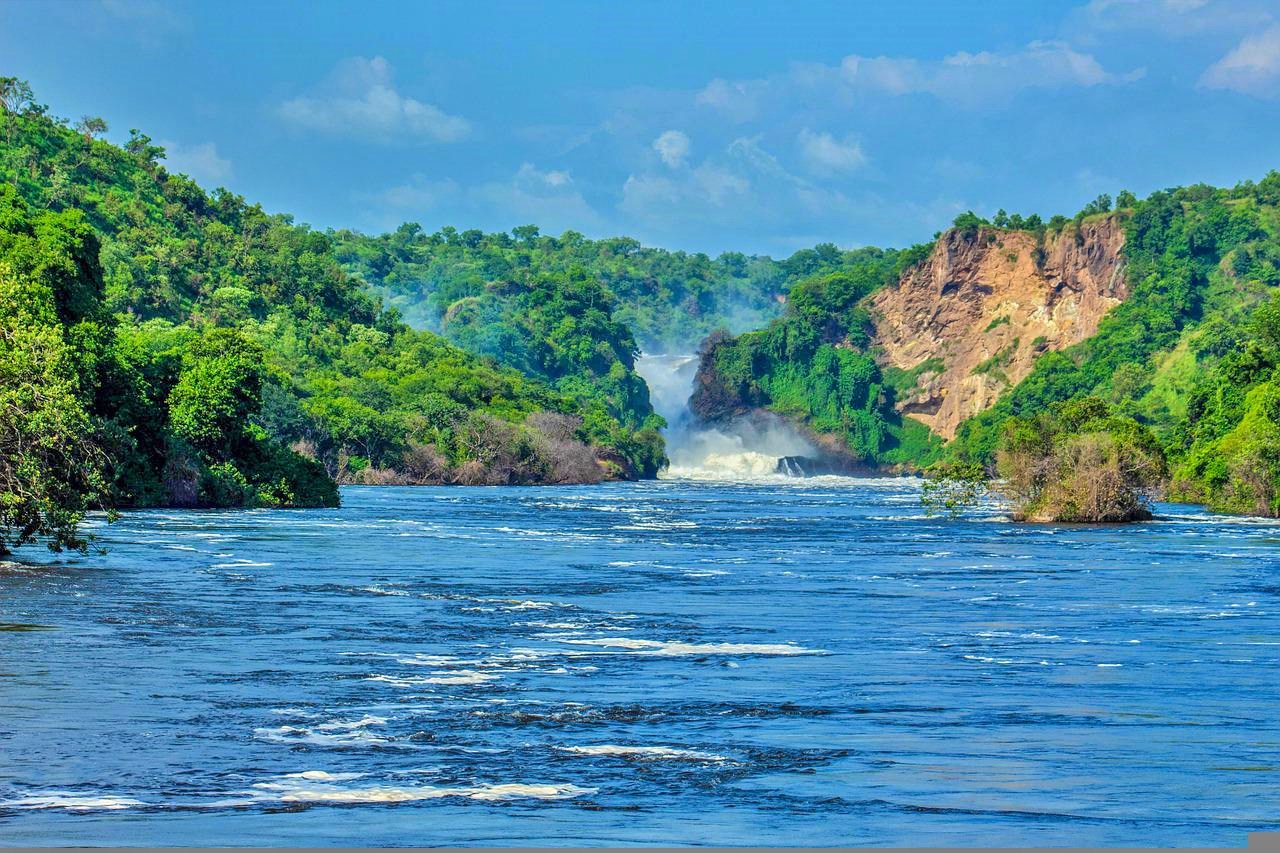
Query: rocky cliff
[{"x": 970, "y": 320}]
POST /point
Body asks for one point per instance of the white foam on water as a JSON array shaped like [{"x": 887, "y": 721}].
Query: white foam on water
[
  {"x": 650, "y": 752},
  {"x": 71, "y": 802},
  {"x": 348, "y": 725},
  {"x": 436, "y": 660},
  {"x": 669, "y": 524},
  {"x": 323, "y": 776},
  {"x": 677, "y": 648},
  {"x": 746, "y": 450},
  {"x": 340, "y": 733},
  {"x": 462, "y": 676},
  {"x": 293, "y": 790},
  {"x": 379, "y": 590}
]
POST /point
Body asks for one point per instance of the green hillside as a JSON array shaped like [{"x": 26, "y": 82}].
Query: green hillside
[
  {"x": 669, "y": 301},
  {"x": 218, "y": 355}
]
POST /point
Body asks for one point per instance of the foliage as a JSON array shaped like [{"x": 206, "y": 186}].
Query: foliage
[
  {"x": 195, "y": 338},
  {"x": 1079, "y": 462},
  {"x": 1181, "y": 293},
  {"x": 1229, "y": 443},
  {"x": 903, "y": 381},
  {"x": 953, "y": 487},
  {"x": 811, "y": 365},
  {"x": 52, "y": 468},
  {"x": 668, "y": 300}
]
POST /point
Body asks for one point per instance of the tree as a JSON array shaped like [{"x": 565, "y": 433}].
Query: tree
[
  {"x": 16, "y": 96},
  {"x": 219, "y": 389},
  {"x": 953, "y": 487},
  {"x": 968, "y": 223},
  {"x": 1101, "y": 204},
  {"x": 52, "y": 469},
  {"x": 140, "y": 146},
  {"x": 1079, "y": 462},
  {"x": 91, "y": 127},
  {"x": 525, "y": 233}
]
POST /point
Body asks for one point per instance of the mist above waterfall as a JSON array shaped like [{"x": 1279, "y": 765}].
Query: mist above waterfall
[{"x": 748, "y": 448}]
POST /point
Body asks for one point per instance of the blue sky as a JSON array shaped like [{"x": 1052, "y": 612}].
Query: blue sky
[{"x": 751, "y": 126}]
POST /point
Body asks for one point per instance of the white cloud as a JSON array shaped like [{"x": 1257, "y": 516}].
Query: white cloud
[
  {"x": 360, "y": 100},
  {"x": 738, "y": 101},
  {"x": 741, "y": 186},
  {"x": 1252, "y": 67},
  {"x": 547, "y": 198},
  {"x": 673, "y": 147},
  {"x": 417, "y": 196},
  {"x": 826, "y": 155},
  {"x": 964, "y": 79},
  {"x": 531, "y": 177},
  {"x": 200, "y": 162},
  {"x": 1169, "y": 17}
]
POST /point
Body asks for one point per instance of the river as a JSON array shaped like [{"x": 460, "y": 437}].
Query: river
[{"x": 771, "y": 661}]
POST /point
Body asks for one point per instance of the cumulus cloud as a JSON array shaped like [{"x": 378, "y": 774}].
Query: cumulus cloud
[
  {"x": 547, "y": 197},
  {"x": 964, "y": 79},
  {"x": 200, "y": 162},
  {"x": 742, "y": 185},
  {"x": 360, "y": 100},
  {"x": 530, "y": 176},
  {"x": 673, "y": 147},
  {"x": 1252, "y": 67},
  {"x": 826, "y": 155},
  {"x": 1169, "y": 17}
]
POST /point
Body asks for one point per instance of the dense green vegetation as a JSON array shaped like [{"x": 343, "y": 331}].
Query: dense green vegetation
[
  {"x": 1182, "y": 292},
  {"x": 559, "y": 326},
  {"x": 811, "y": 366},
  {"x": 91, "y": 420},
  {"x": 668, "y": 300},
  {"x": 186, "y": 341},
  {"x": 51, "y": 336},
  {"x": 1079, "y": 461},
  {"x": 1228, "y": 445},
  {"x": 1174, "y": 355},
  {"x": 164, "y": 345},
  {"x": 1179, "y": 358}
]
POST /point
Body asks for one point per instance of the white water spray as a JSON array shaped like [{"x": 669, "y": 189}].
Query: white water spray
[{"x": 743, "y": 450}]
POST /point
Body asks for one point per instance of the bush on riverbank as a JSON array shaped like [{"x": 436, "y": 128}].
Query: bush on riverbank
[
  {"x": 1079, "y": 462},
  {"x": 1076, "y": 462}
]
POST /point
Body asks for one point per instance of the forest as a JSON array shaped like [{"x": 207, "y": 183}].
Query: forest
[
  {"x": 164, "y": 345},
  {"x": 1189, "y": 358}
]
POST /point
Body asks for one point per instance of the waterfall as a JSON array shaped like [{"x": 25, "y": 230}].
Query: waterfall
[{"x": 747, "y": 449}]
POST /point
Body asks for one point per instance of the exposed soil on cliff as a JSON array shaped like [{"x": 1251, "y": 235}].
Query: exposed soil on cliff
[{"x": 973, "y": 318}]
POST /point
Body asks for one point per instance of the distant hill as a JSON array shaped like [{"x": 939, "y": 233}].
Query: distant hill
[
  {"x": 1164, "y": 307},
  {"x": 211, "y": 354}
]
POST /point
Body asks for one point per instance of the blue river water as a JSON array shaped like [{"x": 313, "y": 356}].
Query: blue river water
[{"x": 673, "y": 662}]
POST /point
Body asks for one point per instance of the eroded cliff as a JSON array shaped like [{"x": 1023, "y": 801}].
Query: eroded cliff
[{"x": 970, "y": 320}]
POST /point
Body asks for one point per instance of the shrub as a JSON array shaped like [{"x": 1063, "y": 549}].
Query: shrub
[
  {"x": 1079, "y": 462},
  {"x": 223, "y": 485},
  {"x": 952, "y": 487}
]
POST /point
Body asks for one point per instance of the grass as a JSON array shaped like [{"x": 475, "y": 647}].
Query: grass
[
  {"x": 994, "y": 364},
  {"x": 902, "y": 381}
]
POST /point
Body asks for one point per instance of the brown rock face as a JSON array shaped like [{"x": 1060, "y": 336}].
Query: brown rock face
[{"x": 979, "y": 311}]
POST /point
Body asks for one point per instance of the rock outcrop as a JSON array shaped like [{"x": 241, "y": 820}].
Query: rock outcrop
[{"x": 973, "y": 317}]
